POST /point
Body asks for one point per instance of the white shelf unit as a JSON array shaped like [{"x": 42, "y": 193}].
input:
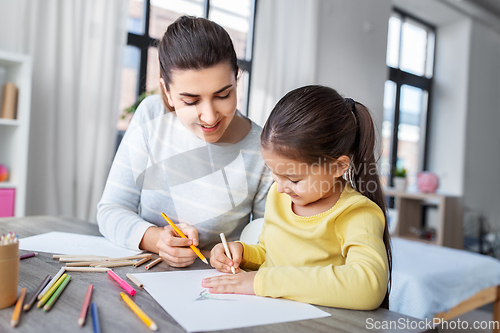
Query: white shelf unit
[{"x": 14, "y": 134}]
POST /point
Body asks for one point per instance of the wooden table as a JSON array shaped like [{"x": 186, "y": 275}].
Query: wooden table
[{"x": 114, "y": 314}]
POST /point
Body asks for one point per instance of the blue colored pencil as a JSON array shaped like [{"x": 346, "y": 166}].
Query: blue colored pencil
[{"x": 95, "y": 318}]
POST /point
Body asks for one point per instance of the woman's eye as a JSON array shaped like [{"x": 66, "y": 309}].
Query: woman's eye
[
  {"x": 222, "y": 97},
  {"x": 190, "y": 103}
]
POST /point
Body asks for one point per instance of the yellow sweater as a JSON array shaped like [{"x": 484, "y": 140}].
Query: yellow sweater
[{"x": 336, "y": 258}]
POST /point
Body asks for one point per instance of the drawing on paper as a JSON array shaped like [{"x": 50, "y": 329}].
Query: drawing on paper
[{"x": 206, "y": 295}]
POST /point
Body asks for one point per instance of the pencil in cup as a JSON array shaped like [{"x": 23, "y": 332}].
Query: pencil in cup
[
  {"x": 9, "y": 274},
  {"x": 57, "y": 293},
  {"x": 138, "y": 311},
  {"x": 17, "y": 311},
  {"x": 178, "y": 231},
  {"x": 85, "y": 306}
]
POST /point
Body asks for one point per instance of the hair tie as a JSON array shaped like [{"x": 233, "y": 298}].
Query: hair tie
[{"x": 352, "y": 104}]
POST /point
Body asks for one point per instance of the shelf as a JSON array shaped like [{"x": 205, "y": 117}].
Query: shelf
[
  {"x": 9, "y": 122},
  {"x": 8, "y": 185}
]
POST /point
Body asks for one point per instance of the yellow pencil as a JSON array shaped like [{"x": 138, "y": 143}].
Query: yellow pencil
[
  {"x": 177, "y": 230},
  {"x": 141, "y": 314},
  {"x": 17, "y": 310},
  {"x": 49, "y": 293}
]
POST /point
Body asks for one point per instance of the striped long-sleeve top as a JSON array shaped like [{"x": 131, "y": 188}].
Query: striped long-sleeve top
[{"x": 161, "y": 166}]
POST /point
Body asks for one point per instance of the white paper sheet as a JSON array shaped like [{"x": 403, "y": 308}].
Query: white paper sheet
[
  {"x": 180, "y": 294},
  {"x": 68, "y": 243}
]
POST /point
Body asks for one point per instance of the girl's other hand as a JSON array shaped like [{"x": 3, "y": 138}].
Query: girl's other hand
[
  {"x": 174, "y": 249},
  {"x": 221, "y": 262},
  {"x": 231, "y": 284}
]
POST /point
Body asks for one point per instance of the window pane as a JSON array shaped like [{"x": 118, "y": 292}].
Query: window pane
[
  {"x": 135, "y": 21},
  {"x": 242, "y": 92},
  {"x": 410, "y": 131},
  {"x": 130, "y": 72},
  {"x": 153, "y": 72},
  {"x": 393, "y": 42},
  {"x": 413, "y": 48},
  {"x": 429, "y": 66},
  {"x": 234, "y": 16},
  {"x": 387, "y": 128},
  {"x": 163, "y": 13}
]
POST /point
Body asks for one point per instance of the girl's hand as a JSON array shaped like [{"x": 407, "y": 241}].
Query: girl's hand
[
  {"x": 221, "y": 262},
  {"x": 241, "y": 283},
  {"x": 174, "y": 249}
]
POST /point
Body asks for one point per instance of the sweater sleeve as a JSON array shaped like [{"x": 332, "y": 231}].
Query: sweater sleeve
[
  {"x": 360, "y": 284},
  {"x": 259, "y": 201},
  {"x": 254, "y": 255},
  {"x": 117, "y": 211}
]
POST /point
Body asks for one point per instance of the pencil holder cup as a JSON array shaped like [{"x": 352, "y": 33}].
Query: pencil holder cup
[{"x": 9, "y": 274}]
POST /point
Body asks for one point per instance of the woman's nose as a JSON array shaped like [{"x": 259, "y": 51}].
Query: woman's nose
[{"x": 208, "y": 114}]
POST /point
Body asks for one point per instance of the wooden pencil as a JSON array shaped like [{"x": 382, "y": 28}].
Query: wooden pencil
[
  {"x": 153, "y": 263},
  {"x": 138, "y": 256},
  {"x": 85, "y": 306},
  {"x": 142, "y": 261},
  {"x": 32, "y": 300},
  {"x": 80, "y": 259},
  {"x": 135, "y": 281},
  {"x": 114, "y": 264},
  {"x": 87, "y": 269},
  {"x": 58, "y": 256},
  {"x": 57, "y": 293},
  {"x": 95, "y": 318},
  {"x": 17, "y": 310},
  {"x": 51, "y": 291},
  {"x": 82, "y": 263},
  {"x": 28, "y": 255},
  {"x": 51, "y": 283},
  {"x": 139, "y": 312}
]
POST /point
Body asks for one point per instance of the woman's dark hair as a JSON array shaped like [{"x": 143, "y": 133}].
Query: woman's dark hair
[
  {"x": 314, "y": 123},
  {"x": 193, "y": 43}
]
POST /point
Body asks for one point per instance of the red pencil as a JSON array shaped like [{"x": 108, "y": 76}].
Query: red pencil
[{"x": 86, "y": 302}]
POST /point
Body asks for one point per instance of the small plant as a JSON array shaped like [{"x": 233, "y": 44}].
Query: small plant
[
  {"x": 133, "y": 107},
  {"x": 400, "y": 172}
]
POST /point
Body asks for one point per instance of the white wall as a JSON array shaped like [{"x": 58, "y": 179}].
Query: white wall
[
  {"x": 352, "y": 45},
  {"x": 481, "y": 177}
]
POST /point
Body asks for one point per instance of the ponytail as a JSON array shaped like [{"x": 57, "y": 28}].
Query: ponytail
[{"x": 363, "y": 173}]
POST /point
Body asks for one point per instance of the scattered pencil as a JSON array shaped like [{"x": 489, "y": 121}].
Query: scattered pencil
[
  {"x": 17, "y": 310},
  {"x": 114, "y": 263},
  {"x": 51, "y": 283},
  {"x": 153, "y": 263},
  {"x": 142, "y": 261},
  {"x": 128, "y": 288},
  {"x": 95, "y": 319},
  {"x": 85, "y": 306},
  {"x": 87, "y": 269},
  {"x": 138, "y": 311},
  {"x": 135, "y": 281},
  {"x": 51, "y": 291},
  {"x": 32, "y": 300},
  {"x": 28, "y": 255},
  {"x": 82, "y": 263},
  {"x": 57, "y": 293}
]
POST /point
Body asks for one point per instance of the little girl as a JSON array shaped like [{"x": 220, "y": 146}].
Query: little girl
[{"x": 325, "y": 239}]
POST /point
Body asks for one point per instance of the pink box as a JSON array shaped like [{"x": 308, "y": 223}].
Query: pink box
[{"x": 7, "y": 200}]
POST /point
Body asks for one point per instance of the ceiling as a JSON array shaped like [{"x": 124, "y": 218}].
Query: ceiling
[{"x": 493, "y": 6}]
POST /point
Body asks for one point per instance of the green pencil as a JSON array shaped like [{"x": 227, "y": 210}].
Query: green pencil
[{"x": 56, "y": 294}]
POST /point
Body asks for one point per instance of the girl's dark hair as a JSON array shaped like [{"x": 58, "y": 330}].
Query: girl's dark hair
[
  {"x": 193, "y": 43},
  {"x": 313, "y": 124}
]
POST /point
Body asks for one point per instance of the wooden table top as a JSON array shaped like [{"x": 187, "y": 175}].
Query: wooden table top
[{"x": 114, "y": 314}]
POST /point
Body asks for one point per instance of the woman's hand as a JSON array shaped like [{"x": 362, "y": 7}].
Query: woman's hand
[
  {"x": 174, "y": 249},
  {"x": 241, "y": 283},
  {"x": 221, "y": 262}
]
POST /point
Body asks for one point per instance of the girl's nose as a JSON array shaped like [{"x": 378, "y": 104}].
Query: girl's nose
[
  {"x": 281, "y": 186},
  {"x": 208, "y": 114}
]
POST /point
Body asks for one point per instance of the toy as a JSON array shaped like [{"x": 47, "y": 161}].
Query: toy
[
  {"x": 427, "y": 182},
  {"x": 4, "y": 173}
]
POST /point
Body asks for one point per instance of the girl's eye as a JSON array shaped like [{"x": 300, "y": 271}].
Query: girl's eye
[{"x": 295, "y": 181}]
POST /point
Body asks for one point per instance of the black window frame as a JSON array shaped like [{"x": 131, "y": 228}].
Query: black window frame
[
  {"x": 400, "y": 78},
  {"x": 143, "y": 42}
]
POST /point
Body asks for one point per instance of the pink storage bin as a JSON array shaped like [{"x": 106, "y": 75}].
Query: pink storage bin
[{"x": 7, "y": 200}]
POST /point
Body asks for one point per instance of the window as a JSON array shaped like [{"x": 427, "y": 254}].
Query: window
[
  {"x": 410, "y": 59},
  {"x": 147, "y": 22}
]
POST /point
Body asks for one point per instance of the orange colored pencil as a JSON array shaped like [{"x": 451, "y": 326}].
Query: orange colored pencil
[
  {"x": 17, "y": 311},
  {"x": 85, "y": 307},
  {"x": 177, "y": 230}
]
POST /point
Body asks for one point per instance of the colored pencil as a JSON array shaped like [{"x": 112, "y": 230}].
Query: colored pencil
[
  {"x": 135, "y": 281},
  {"x": 153, "y": 263},
  {"x": 87, "y": 269},
  {"x": 28, "y": 255},
  {"x": 226, "y": 248},
  {"x": 81, "y": 259},
  {"x": 85, "y": 306},
  {"x": 52, "y": 289},
  {"x": 138, "y": 311},
  {"x": 177, "y": 230},
  {"x": 17, "y": 310},
  {"x": 95, "y": 319},
  {"x": 82, "y": 263},
  {"x": 142, "y": 261},
  {"x": 58, "y": 256},
  {"x": 115, "y": 264},
  {"x": 128, "y": 288},
  {"x": 51, "y": 283},
  {"x": 57, "y": 293},
  {"x": 32, "y": 300}
]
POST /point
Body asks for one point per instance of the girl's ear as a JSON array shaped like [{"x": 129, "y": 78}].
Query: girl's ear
[
  {"x": 166, "y": 93},
  {"x": 343, "y": 163}
]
